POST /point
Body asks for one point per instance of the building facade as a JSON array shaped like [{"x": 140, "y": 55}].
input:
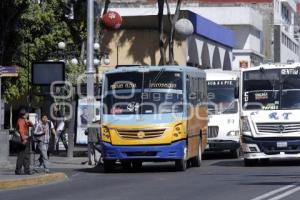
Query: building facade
[
  {"x": 279, "y": 42},
  {"x": 264, "y": 29},
  {"x": 137, "y": 42}
]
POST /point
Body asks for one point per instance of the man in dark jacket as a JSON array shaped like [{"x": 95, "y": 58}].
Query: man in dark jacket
[{"x": 93, "y": 134}]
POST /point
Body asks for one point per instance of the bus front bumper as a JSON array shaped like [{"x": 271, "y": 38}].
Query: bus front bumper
[
  {"x": 260, "y": 148},
  {"x": 172, "y": 151},
  {"x": 222, "y": 145}
]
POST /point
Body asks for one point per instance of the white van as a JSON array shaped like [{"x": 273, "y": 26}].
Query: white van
[{"x": 223, "y": 112}]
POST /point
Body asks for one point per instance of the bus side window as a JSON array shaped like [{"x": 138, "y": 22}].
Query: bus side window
[
  {"x": 193, "y": 91},
  {"x": 204, "y": 87},
  {"x": 188, "y": 88},
  {"x": 200, "y": 90}
]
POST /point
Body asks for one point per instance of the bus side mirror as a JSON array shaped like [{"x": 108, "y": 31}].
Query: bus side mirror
[
  {"x": 236, "y": 92},
  {"x": 236, "y": 89}
]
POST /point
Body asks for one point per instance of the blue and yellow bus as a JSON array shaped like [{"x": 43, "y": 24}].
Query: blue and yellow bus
[{"x": 154, "y": 113}]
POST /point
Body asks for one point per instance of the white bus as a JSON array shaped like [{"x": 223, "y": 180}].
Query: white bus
[
  {"x": 270, "y": 112},
  {"x": 223, "y": 124}
]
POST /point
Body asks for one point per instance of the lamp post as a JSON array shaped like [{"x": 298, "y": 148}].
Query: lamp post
[
  {"x": 68, "y": 56},
  {"x": 90, "y": 57}
]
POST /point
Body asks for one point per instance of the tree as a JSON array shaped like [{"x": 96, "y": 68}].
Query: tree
[
  {"x": 171, "y": 35},
  {"x": 161, "y": 30},
  {"x": 172, "y": 21},
  {"x": 31, "y": 32}
]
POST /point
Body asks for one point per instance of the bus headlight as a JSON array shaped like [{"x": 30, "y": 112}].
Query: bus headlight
[
  {"x": 233, "y": 133},
  {"x": 178, "y": 131},
  {"x": 246, "y": 129},
  {"x": 105, "y": 134}
]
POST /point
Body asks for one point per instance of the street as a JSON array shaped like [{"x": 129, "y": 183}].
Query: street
[{"x": 216, "y": 179}]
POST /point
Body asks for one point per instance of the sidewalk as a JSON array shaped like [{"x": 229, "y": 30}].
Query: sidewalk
[{"x": 58, "y": 166}]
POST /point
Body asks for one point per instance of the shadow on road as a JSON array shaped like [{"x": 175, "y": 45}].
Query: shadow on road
[
  {"x": 218, "y": 155},
  {"x": 146, "y": 168},
  {"x": 229, "y": 163}
]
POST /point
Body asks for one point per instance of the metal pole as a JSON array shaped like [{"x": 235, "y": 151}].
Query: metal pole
[
  {"x": 1, "y": 105},
  {"x": 90, "y": 57},
  {"x": 28, "y": 78}
]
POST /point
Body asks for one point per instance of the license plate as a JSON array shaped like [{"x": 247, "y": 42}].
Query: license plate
[{"x": 281, "y": 144}]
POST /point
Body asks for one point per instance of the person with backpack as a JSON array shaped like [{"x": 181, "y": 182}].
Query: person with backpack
[
  {"x": 23, "y": 159},
  {"x": 42, "y": 136}
]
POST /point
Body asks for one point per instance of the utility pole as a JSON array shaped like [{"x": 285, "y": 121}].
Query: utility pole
[{"x": 90, "y": 59}]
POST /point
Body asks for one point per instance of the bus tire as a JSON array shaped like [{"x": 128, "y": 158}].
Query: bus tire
[
  {"x": 196, "y": 161},
  {"x": 181, "y": 164},
  {"x": 250, "y": 162},
  {"x": 236, "y": 153},
  {"x": 108, "y": 165},
  {"x": 137, "y": 165}
]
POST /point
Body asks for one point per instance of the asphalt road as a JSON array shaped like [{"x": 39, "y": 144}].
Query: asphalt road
[{"x": 216, "y": 179}]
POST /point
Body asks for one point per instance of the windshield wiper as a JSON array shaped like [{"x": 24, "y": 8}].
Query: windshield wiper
[
  {"x": 229, "y": 107},
  {"x": 156, "y": 78}
]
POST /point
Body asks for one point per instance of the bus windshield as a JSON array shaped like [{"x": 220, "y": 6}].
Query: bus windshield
[
  {"x": 221, "y": 97},
  {"x": 153, "y": 92},
  {"x": 272, "y": 89}
]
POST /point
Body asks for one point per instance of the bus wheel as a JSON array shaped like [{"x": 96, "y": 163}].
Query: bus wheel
[
  {"x": 137, "y": 165},
  {"x": 250, "y": 162},
  {"x": 181, "y": 164},
  {"x": 196, "y": 162},
  {"x": 236, "y": 153},
  {"x": 109, "y": 165}
]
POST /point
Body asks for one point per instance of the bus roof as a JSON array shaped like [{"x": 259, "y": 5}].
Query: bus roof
[
  {"x": 212, "y": 74},
  {"x": 174, "y": 68},
  {"x": 273, "y": 66}
]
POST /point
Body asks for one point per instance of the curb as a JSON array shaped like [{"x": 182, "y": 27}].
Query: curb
[{"x": 32, "y": 181}]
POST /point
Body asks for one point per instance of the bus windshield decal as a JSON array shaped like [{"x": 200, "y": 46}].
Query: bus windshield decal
[
  {"x": 220, "y": 82},
  {"x": 290, "y": 72},
  {"x": 144, "y": 92},
  {"x": 138, "y": 80}
]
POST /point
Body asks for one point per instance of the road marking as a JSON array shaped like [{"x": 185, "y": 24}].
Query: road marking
[
  {"x": 266, "y": 195},
  {"x": 288, "y": 193}
]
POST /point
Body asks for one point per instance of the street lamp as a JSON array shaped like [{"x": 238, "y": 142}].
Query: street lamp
[
  {"x": 64, "y": 54},
  {"x": 99, "y": 57},
  {"x": 74, "y": 61},
  {"x": 96, "y": 46},
  {"x": 61, "y": 45},
  {"x": 96, "y": 61},
  {"x": 106, "y": 60}
]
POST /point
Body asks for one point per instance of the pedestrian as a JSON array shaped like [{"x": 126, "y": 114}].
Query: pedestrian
[
  {"x": 59, "y": 125},
  {"x": 42, "y": 135},
  {"x": 93, "y": 138},
  {"x": 23, "y": 159},
  {"x": 53, "y": 137}
]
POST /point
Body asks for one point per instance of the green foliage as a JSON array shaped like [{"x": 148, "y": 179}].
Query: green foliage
[{"x": 31, "y": 32}]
